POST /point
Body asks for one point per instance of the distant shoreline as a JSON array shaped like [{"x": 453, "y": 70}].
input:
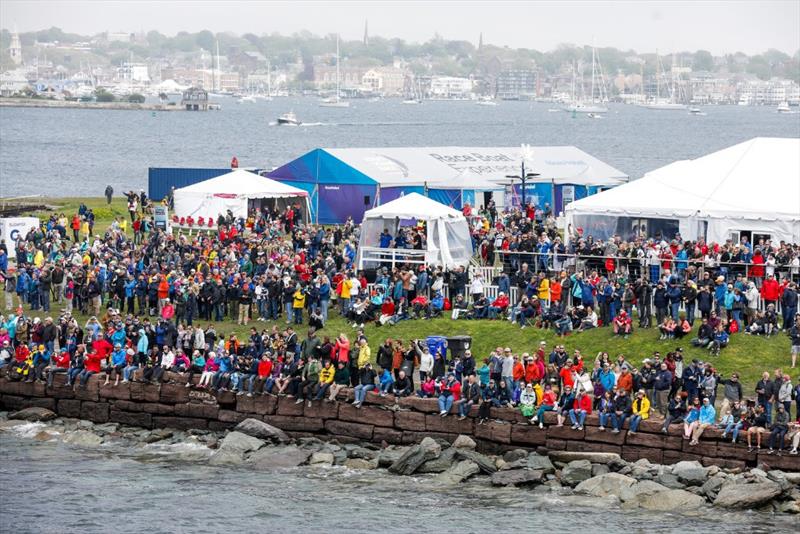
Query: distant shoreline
[{"x": 64, "y": 104}]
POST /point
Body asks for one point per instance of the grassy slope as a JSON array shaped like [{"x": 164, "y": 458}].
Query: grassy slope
[{"x": 747, "y": 355}]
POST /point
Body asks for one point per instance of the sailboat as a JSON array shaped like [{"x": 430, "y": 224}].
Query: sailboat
[
  {"x": 416, "y": 95},
  {"x": 664, "y": 104},
  {"x": 592, "y": 105},
  {"x": 335, "y": 102}
]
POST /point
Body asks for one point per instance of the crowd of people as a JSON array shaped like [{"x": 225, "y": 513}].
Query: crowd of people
[{"x": 153, "y": 301}]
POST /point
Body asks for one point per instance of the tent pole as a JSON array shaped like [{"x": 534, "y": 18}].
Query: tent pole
[{"x": 553, "y": 194}]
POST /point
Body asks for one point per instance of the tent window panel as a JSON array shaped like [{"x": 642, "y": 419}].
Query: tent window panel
[{"x": 605, "y": 226}]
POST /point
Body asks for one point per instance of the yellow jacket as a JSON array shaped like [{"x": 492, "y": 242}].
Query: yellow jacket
[
  {"x": 326, "y": 375},
  {"x": 641, "y": 407},
  {"x": 299, "y": 299},
  {"x": 364, "y": 355},
  {"x": 347, "y": 286},
  {"x": 544, "y": 289}
]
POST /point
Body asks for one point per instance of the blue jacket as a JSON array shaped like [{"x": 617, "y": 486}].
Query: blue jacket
[
  {"x": 224, "y": 364},
  {"x": 118, "y": 357},
  {"x": 143, "y": 344},
  {"x": 707, "y": 415},
  {"x": 41, "y": 357},
  {"x": 386, "y": 378},
  {"x": 608, "y": 380},
  {"x": 693, "y": 415}
]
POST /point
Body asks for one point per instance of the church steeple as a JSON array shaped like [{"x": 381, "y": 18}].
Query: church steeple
[
  {"x": 15, "y": 48},
  {"x": 480, "y": 41},
  {"x": 366, "y": 32}
]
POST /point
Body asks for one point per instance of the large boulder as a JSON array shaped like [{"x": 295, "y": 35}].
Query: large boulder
[
  {"x": 644, "y": 488},
  {"x": 539, "y": 462},
  {"x": 33, "y": 414},
  {"x": 458, "y": 473},
  {"x": 239, "y": 442},
  {"x": 576, "y": 472},
  {"x": 486, "y": 464},
  {"x": 233, "y": 448},
  {"x": 440, "y": 464},
  {"x": 712, "y": 486},
  {"x": 83, "y": 438},
  {"x": 691, "y": 473},
  {"x": 321, "y": 459},
  {"x": 414, "y": 457},
  {"x": 517, "y": 477},
  {"x": 671, "y": 501},
  {"x": 604, "y": 485},
  {"x": 268, "y": 458},
  {"x": 747, "y": 495},
  {"x": 464, "y": 442},
  {"x": 390, "y": 455},
  {"x": 261, "y": 430}
]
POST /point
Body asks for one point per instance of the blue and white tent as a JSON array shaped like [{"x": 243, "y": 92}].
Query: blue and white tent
[{"x": 345, "y": 182}]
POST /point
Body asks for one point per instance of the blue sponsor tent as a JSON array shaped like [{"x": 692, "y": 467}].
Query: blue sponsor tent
[{"x": 346, "y": 182}]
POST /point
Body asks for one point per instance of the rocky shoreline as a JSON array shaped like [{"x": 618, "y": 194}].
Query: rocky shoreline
[{"x": 608, "y": 478}]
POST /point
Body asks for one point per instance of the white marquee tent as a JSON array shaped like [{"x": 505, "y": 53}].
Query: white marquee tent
[
  {"x": 750, "y": 187},
  {"x": 237, "y": 191},
  {"x": 448, "y": 239}
]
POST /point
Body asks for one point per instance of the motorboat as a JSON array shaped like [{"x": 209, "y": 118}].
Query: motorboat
[
  {"x": 486, "y": 103},
  {"x": 412, "y": 101},
  {"x": 289, "y": 119},
  {"x": 250, "y": 99},
  {"x": 784, "y": 108},
  {"x": 583, "y": 107},
  {"x": 594, "y": 115},
  {"x": 334, "y": 103}
]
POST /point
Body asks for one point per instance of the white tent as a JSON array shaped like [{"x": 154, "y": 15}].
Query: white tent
[
  {"x": 448, "y": 239},
  {"x": 238, "y": 191},
  {"x": 750, "y": 187}
]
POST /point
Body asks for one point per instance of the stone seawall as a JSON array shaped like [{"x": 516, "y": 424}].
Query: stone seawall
[{"x": 172, "y": 405}]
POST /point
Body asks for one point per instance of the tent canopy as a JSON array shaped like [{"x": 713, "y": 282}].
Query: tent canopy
[
  {"x": 448, "y": 240},
  {"x": 414, "y": 206},
  {"x": 416, "y": 166},
  {"x": 758, "y": 180},
  {"x": 244, "y": 184},
  {"x": 233, "y": 191}
]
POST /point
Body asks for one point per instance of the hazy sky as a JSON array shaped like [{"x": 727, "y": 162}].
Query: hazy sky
[{"x": 749, "y": 26}]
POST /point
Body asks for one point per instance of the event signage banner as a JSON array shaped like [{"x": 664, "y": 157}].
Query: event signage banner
[{"x": 12, "y": 228}]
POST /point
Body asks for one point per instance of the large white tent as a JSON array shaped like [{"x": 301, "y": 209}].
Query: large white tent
[
  {"x": 448, "y": 239},
  {"x": 236, "y": 191},
  {"x": 752, "y": 187}
]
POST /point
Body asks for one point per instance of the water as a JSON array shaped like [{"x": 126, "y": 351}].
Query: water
[
  {"x": 69, "y": 152},
  {"x": 152, "y": 489}
]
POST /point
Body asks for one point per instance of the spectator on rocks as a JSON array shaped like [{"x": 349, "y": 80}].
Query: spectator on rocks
[
  {"x": 471, "y": 395},
  {"x": 548, "y": 404},
  {"x": 581, "y": 407},
  {"x": 341, "y": 380},
  {"x": 366, "y": 383},
  {"x": 622, "y": 409},
  {"x": 757, "y": 428},
  {"x": 778, "y": 430},
  {"x": 706, "y": 419},
  {"x": 640, "y": 410},
  {"x": 449, "y": 392}
]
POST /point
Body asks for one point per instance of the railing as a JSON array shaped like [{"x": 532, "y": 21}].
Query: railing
[
  {"x": 572, "y": 263},
  {"x": 393, "y": 256}
]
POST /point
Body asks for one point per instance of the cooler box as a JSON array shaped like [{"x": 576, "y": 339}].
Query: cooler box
[{"x": 458, "y": 345}]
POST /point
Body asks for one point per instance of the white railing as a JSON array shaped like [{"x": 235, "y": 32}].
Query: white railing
[{"x": 393, "y": 256}]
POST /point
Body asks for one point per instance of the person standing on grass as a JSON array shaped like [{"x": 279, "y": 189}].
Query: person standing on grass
[{"x": 794, "y": 337}]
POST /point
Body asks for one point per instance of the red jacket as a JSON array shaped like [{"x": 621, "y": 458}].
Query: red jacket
[
  {"x": 92, "y": 362},
  {"x": 584, "y": 403},
  {"x": 342, "y": 351},
  {"x": 501, "y": 302},
  {"x": 62, "y": 360},
  {"x": 264, "y": 368},
  {"x": 770, "y": 290}
]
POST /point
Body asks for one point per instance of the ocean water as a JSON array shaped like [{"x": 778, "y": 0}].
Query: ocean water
[
  {"x": 69, "y": 152},
  {"x": 51, "y": 487}
]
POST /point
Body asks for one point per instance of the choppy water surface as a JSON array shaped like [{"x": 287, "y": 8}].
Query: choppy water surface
[
  {"x": 63, "y": 152},
  {"x": 54, "y": 488}
]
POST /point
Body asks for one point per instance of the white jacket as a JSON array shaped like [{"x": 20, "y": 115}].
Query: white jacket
[{"x": 426, "y": 362}]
